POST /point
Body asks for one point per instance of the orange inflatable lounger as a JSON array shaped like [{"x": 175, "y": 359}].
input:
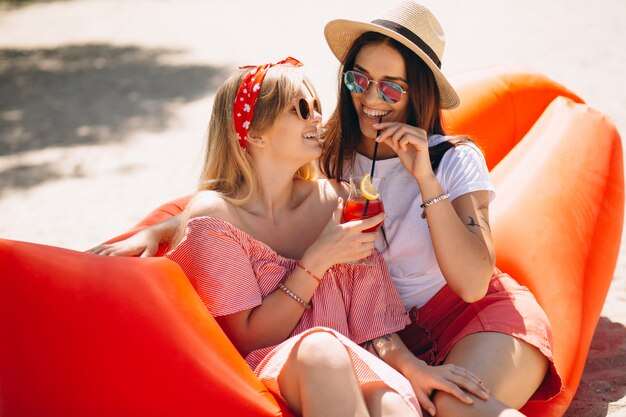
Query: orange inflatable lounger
[{"x": 87, "y": 335}]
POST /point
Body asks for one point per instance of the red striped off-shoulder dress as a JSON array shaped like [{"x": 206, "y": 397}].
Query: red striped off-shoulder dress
[{"x": 232, "y": 272}]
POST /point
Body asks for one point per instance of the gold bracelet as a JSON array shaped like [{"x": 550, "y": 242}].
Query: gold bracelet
[
  {"x": 309, "y": 272},
  {"x": 435, "y": 200},
  {"x": 293, "y": 295}
]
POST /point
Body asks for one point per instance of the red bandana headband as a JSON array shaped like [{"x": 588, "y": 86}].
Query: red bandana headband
[{"x": 248, "y": 93}]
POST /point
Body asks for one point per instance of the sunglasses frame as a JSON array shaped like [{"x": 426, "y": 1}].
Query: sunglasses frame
[
  {"x": 381, "y": 94},
  {"x": 313, "y": 106}
]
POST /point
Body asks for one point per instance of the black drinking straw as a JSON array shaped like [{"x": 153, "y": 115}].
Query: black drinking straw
[{"x": 367, "y": 202}]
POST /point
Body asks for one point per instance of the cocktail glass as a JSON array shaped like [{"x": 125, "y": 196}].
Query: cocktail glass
[{"x": 358, "y": 207}]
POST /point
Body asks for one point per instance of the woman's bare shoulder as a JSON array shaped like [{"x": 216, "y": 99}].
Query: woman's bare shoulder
[{"x": 210, "y": 204}]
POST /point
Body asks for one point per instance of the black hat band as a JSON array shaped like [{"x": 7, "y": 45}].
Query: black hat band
[{"x": 410, "y": 36}]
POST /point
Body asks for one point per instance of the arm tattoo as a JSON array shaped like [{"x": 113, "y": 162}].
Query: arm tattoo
[
  {"x": 483, "y": 209},
  {"x": 484, "y": 219},
  {"x": 369, "y": 346},
  {"x": 374, "y": 346},
  {"x": 385, "y": 338},
  {"x": 472, "y": 223}
]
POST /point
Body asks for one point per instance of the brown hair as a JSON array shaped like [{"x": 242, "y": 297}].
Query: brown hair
[{"x": 341, "y": 136}]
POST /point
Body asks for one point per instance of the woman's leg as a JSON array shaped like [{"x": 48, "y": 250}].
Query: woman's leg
[
  {"x": 318, "y": 379},
  {"x": 511, "y": 369},
  {"x": 382, "y": 401}
]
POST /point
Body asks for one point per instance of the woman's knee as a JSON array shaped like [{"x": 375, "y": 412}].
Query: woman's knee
[
  {"x": 512, "y": 370},
  {"x": 322, "y": 350},
  {"x": 310, "y": 365}
]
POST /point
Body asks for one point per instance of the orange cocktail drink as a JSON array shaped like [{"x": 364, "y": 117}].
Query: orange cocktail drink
[
  {"x": 354, "y": 209},
  {"x": 363, "y": 202}
]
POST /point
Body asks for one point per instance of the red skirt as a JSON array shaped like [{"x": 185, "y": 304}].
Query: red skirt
[{"x": 507, "y": 308}]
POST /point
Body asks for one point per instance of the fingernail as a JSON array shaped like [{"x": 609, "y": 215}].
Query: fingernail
[{"x": 431, "y": 411}]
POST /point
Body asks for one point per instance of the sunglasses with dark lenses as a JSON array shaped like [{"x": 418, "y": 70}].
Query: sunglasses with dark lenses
[
  {"x": 306, "y": 109},
  {"x": 358, "y": 83}
]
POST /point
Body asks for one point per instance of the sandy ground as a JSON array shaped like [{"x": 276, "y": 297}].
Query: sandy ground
[{"x": 103, "y": 106}]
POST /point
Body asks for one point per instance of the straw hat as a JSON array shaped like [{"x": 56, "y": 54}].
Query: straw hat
[{"x": 409, "y": 23}]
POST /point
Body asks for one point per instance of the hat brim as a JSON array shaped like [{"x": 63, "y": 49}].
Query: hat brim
[{"x": 340, "y": 34}]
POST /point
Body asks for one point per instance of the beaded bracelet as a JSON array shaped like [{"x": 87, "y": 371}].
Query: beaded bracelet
[
  {"x": 309, "y": 272},
  {"x": 434, "y": 200},
  {"x": 293, "y": 295}
]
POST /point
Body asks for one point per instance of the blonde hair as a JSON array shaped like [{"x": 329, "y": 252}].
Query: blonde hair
[{"x": 228, "y": 169}]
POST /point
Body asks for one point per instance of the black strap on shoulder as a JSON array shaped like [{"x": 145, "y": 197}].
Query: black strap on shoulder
[{"x": 437, "y": 152}]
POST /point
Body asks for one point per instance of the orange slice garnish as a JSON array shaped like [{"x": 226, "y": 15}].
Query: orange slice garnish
[{"x": 367, "y": 188}]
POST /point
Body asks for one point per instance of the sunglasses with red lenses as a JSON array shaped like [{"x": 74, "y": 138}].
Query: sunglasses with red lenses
[
  {"x": 306, "y": 108},
  {"x": 358, "y": 83}
]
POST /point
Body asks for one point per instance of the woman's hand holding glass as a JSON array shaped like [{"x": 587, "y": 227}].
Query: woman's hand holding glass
[
  {"x": 342, "y": 242},
  {"x": 362, "y": 203}
]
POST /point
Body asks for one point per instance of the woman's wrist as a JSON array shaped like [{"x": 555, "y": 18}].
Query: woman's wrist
[
  {"x": 426, "y": 178},
  {"x": 430, "y": 187},
  {"x": 314, "y": 264},
  {"x": 150, "y": 233},
  {"x": 309, "y": 272},
  {"x": 411, "y": 366}
]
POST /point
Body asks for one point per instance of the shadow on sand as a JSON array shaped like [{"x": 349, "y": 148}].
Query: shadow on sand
[
  {"x": 604, "y": 377},
  {"x": 91, "y": 94},
  {"x": 87, "y": 95}
]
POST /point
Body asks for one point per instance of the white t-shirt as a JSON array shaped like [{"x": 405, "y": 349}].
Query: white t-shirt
[{"x": 410, "y": 255}]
